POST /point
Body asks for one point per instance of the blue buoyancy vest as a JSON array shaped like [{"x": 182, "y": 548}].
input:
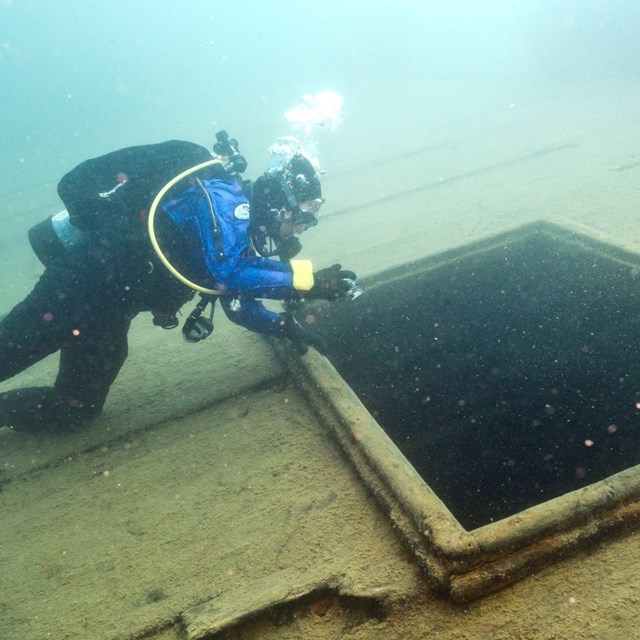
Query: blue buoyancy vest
[{"x": 213, "y": 216}]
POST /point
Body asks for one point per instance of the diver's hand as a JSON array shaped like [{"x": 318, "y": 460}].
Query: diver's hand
[
  {"x": 300, "y": 337},
  {"x": 332, "y": 283}
]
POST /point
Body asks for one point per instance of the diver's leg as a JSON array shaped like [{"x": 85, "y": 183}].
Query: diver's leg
[
  {"x": 33, "y": 409},
  {"x": 89, "y": 366},
  {"x": 37, "y": 326},
  {"x": 61, "y": 313},
  {"x": 31, "y": 331}
]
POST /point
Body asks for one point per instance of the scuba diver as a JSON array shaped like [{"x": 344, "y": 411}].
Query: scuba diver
[{"x": 144, "y": 229}]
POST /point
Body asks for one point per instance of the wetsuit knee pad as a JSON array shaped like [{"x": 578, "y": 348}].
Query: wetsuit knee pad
[{"x": 42, "y": 409}]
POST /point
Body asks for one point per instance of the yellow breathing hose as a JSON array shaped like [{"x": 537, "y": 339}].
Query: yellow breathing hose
[{"x": 152, "y": 232}]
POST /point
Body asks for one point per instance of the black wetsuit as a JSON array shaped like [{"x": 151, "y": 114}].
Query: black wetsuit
[{"x": 85, "y": 300}]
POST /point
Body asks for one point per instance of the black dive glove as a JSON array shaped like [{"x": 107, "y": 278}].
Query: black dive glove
[
  {"x": 332, "y": 283},
  {"x": 301, "y": 338}
]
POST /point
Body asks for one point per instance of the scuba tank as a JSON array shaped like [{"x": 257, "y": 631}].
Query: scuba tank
[{"x": 53, "y": 237}]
